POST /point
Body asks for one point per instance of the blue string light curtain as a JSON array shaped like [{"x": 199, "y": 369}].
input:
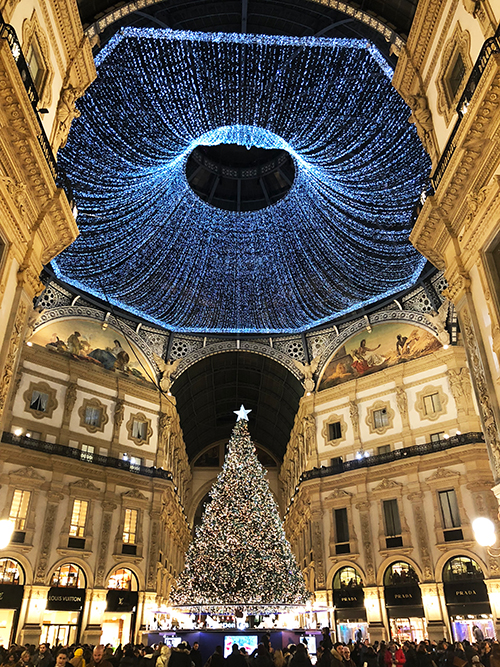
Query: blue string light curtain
[{"x": 336, "y": 241}]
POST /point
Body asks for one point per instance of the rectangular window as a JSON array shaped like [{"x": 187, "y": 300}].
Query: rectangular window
[
  {"x": 380, "y": 418},
  {"x": 93, "y": 416},
  {"x": 437, "y": 437},
  {"x": 135, "y": 463},
  {"x": 130, "y": 526},
  {"x": 78, "y": 518},
  {"x": 87, "y": 453},
  {"x": 341, "y": 526},
  {"x": 334, "y": 431},
  {"x": 39, "y": 401},
  {"x": 456, "y": 75},
  {"x": 432, "y": 404},
  {"x": 19, "y": 508},
  {"x": 139, "y": 430},
  {"x": 384, "y": 449},
  {"x": 391, "y": 518},
  {"x": 34, "y": 435},
  {"x": 449, "y": 509},
  {"x": 34, "y": 62}
]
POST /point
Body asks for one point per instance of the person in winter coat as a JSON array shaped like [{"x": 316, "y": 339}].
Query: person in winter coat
[
  {"x": 180, "y": 656},
  {"x": 337, "y": 658},
  {"x": 78, "y": 660},
  {"x": 369, "y": 657},
  {"x": 129, "y": 659},
  {"x": 163, "y": 658},
  {"x": 300, "y": 657},
  {"x": 43, "y": 657},
  {"x": 261, "y": 657},
  {"x": 235, "y": 659},
  {"x": 216, "y": 659}
]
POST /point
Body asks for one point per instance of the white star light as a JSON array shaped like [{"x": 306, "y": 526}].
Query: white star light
[{"x": 242, "y": 413}]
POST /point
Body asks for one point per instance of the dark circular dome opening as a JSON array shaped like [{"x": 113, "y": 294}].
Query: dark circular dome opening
[{"x": 236, "y": 178}]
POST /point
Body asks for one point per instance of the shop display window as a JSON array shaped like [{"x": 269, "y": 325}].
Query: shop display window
[
  {"x": 68, "y": 576},
  {"x": 349, "y": 631},
  {"x": 11, "y": 572},
  {"x": 122, "y": 580},
  {"x": 408, "y": 629},
  {"x": 463, "y": 627},
  {"x": 400, "y": 573},
  {"x": 347, "y": 577},
  {"x": 462, "y": 568}
]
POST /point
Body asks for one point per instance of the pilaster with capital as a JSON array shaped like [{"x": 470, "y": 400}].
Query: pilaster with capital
[
  {"x": 318, "y": 548},
  {"x": 417, "y": 502},
  {"x": 53, "y": 501},
  {"x": 366, "y": 538},
  {"x": 108, "y": 507}
]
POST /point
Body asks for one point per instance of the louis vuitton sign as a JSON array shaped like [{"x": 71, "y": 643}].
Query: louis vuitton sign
[{"x": 121, "y": 600}]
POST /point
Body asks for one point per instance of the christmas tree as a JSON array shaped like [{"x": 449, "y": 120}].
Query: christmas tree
[{"x": 240, "y": 558}]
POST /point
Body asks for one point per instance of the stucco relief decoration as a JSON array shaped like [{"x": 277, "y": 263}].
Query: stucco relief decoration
[
  {"x": 387, "y": 345},
  {"x": 85, "y": 340},
  {"x": 32, "y": 30},
  {"x": 332, "y": 419},
  {"x": 458, "y": 44}
]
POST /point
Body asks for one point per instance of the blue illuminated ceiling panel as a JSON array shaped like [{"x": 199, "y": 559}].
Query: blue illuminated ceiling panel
[{"x": 336, "y": 241}]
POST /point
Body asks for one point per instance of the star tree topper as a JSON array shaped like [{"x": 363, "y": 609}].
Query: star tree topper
[{"x": 242, "y": 413}]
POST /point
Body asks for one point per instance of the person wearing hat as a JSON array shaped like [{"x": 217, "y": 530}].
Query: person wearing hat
[{"x": 78, "y": 660}]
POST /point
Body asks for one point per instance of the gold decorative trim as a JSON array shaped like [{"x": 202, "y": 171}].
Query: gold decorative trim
[
  {"x": 32, "y": 30},
  {"x": 43, "y": 388},
  {"x": 93, "y": 403},
  {"x": 370, "y": 417},
  {"x": 139, "y": 417},
  {"x": 430, "y": 390},
  {"x": 457, "y": 45},
  {"x": 332, "y": 419}
]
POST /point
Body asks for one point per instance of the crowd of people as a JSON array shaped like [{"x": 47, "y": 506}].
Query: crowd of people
[{"x": 361, "y": 653}]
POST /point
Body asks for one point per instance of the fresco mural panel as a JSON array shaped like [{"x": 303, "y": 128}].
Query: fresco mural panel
[{"x": 387, "y": 345}]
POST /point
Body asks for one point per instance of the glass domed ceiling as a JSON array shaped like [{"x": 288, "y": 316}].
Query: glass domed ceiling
[{"x": 337, "y": 240}]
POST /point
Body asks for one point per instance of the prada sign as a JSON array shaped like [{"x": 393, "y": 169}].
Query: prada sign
[
  {"x": 11, "y": 596},
  {"x": 466, "y": 591},
  {"x": 65, "y": 599},
  {"x": 403, "y": 595},
  {"x": 346, "y": 598},
  {"x": 121, "y": 600}
]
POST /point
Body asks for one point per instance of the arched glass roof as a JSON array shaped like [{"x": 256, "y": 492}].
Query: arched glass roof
[{"x": 336, "y": 242}]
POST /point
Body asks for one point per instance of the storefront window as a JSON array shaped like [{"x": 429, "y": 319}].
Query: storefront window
[
  {"x": 400, "y": 573},
  {"x": 122, "y": 580},
  {"x": 347, "y": 577},
  {"x": 10, "y": 572},
  {"x": 68, "y": 576},
  {"x": 462, "y": 568},
  {"x": 413, "y": 629}
]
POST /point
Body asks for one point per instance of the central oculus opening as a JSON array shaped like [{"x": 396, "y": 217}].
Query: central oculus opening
[{"x": 236, "y": 178}]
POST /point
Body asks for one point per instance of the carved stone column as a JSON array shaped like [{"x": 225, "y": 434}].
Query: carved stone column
[
  {"x": 108, "y": 507},
  {"x": 354, "y": 414},
  {"x": 318, "y": 549},
  {"x": 164, "y": 432},
  {"x": 69, "y": 404},
  {"x": 482, "y": 380},
  {"x": 53, "y": 501},
  {"x": 118, "y": 416},
  {"x": 402, "y": 402},
  {"x": 366, "y": 539},
  {"x": 416, "y": 499},
  {"x": 154, "y": 532}
]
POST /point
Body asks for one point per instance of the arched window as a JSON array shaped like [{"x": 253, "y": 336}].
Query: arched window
[
  {"x": 347, "y": 577},
  {"x": 462, "y": 568},
  {"x": 400, "y": 573},
  {"x": 68, "y": 575},
  {"x": 11, "y": 572},
  {"x": 123, "y": 580}
]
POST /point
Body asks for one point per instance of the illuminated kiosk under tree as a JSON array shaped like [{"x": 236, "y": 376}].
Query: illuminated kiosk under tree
[{"x": 240, "y": 561}]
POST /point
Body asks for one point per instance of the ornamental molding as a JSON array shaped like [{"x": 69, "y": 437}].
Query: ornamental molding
[
  {"x": 84, "y": 484},
  {"x": 374, "y": 22},
  {"x": 32, "y": 30},
  {"x": 27, "y": 473},
  {"x": 339, "y": 493},
  {"x": 238, "y": 346},
  {"x": 459, "y": 42},
  {"x": 442, "y": 473},
  {"x": 387, "y": 484},
  {"x": 135, "y": 494}
]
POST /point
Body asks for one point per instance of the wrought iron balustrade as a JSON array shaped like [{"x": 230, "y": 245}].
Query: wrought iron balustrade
[
  {"x": 8, "y": 33},
  {"x": 490, "y": 47},
  {"x": 85, "y": 457},
  {"x": 396, "y": 455}
]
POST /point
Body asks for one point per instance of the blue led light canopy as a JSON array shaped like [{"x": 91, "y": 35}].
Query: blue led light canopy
[{"x": 332, "y": 237}]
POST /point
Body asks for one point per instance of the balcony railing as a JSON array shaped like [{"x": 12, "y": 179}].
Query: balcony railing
[
  {"x": 490, "y": 47},
  {"x": 8, "y": 33},
  {"x": 397, "y": 455},
  {"x": 84, "y": 457}
]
